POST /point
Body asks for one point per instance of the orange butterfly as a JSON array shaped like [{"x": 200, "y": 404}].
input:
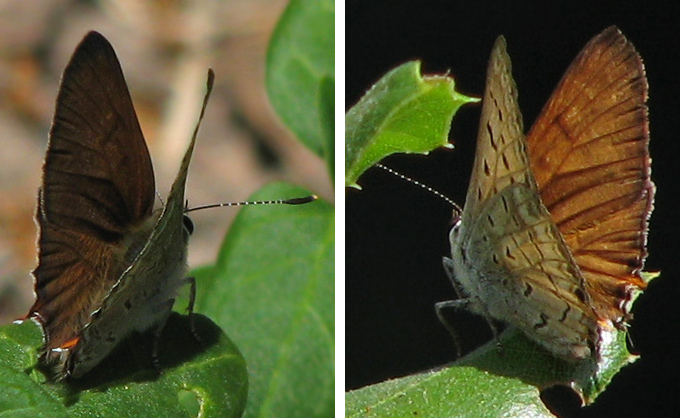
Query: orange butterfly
[{"x": 552, "y": 237}]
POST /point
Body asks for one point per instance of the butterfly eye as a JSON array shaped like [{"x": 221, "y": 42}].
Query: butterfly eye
[{"x": 188, "y": 225}]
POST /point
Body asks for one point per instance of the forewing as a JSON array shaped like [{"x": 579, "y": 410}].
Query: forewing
[
  {"x": 500, "y": 159},
  {"x": 97, "y": 185},
  {"x": 98, "y": 178}
]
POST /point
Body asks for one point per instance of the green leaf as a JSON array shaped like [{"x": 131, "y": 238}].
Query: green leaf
[
  {"x": 22, "y": 391},
  {"x": 493, "y": 383},
  {"x": 209, "y": 374},
  {"x": 402, "y": 113},
  {"x": 300, "y": 74},
  {"x": 272, "y": 289}
]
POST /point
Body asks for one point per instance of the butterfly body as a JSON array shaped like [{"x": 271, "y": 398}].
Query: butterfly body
[{"x": 551, "y": 239}]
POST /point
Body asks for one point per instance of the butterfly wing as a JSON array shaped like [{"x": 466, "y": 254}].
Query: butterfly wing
[
  {"x": 98, "y": 183},
  {"x": 499, "y": 161},
  {"x": 508, "y": 255},
  {"x": 144, "y": 295},
  {"x": 589, "y": 152}
]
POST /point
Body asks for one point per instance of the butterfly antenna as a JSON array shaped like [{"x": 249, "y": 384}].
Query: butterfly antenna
[
  {"x": 293, "y": 201},
  {"x": 457, "y": 208}
]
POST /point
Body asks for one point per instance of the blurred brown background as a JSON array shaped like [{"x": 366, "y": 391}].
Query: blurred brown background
[{"x": 165, "y": 49}]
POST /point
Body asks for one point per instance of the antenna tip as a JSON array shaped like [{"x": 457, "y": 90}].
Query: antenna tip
[{"x": 301, "y": 200}]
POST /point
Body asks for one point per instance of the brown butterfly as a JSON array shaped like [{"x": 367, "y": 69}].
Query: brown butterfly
[
  {"x": 552, "y": 237},
  {"x": 109, "y": 264}
]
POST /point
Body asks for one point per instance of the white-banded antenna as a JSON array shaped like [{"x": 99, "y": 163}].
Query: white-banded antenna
[
  {"x": 426, "y": 187},
  {"x": 293, "y": 201}
]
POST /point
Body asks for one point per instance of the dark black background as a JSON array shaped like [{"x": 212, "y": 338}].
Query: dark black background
[{"x": 397, "y": 233}]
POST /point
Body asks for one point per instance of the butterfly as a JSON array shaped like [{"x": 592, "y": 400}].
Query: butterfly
[
  {"x": 553, "y": 232},
  {"x": 108, "y": 263}
]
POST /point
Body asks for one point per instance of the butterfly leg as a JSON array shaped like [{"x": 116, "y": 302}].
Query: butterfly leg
[
  {"x": 190, "y": 308},
  {"x": 496, "y": 335},
  {"x": 448, "y": 268},
  {"x": 157, "y": 337},
  {"x": 450, "y": 304},
  {"x": 462, "y": 302},
  {"x": 192, "y": 324}
]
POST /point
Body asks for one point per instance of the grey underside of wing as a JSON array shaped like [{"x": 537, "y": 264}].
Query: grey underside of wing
[{"x": 529, "y": 276}]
